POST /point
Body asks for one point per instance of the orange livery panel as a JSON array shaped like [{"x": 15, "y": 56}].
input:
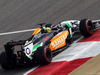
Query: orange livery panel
[
  {"x": 59, "y": 40},
  {"x": 36, "y": 31}
]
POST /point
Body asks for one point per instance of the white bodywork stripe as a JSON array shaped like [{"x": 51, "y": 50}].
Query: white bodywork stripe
[{"x": 95, "y": 20}]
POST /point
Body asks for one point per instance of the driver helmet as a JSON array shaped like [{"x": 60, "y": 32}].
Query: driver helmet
[{"x": 48, "y": 29}]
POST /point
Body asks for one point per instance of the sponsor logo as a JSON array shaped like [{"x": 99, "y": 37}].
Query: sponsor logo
[
  {"x": 45, "y": 39},
  {"x": 59, "y": 41},
  {"x": 28, "y": 51}
]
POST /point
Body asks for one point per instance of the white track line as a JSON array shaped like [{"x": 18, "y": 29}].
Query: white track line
[
  {"x": 78, "y": 39},
  {"x": 87, "y": 48},
  {"x": 31, "y": 70},
  {"x": 21, "y": 31}
]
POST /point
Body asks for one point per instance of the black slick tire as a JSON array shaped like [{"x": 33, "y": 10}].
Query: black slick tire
[
  {"x": 86, "y": 27},
  {"x": 5, "y": 62},
  {"x": 44, "y": 55}
]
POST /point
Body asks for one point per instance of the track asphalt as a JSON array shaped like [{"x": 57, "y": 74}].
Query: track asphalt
[{"x": 25, "y": 14}]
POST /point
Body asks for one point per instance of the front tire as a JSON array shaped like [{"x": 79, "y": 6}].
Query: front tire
[
  {"x": 44, "y": 55},
  {"x": 5, "y": 62},
  {"x": 86, "y": 27}
]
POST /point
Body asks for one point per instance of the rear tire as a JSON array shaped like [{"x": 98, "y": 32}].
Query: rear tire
[
  {"x": 44, "y": 55},
  {"x": 86, "y": 27},
  {"x": 5, "y": 62}
]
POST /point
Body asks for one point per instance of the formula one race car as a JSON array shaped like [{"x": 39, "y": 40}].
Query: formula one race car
[{"x": 40, "y": 47}]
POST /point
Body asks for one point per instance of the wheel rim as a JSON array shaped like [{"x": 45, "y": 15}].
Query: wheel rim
[
  {"x": 89, "y": 26},
  {"x": 48, "y": 54}
]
